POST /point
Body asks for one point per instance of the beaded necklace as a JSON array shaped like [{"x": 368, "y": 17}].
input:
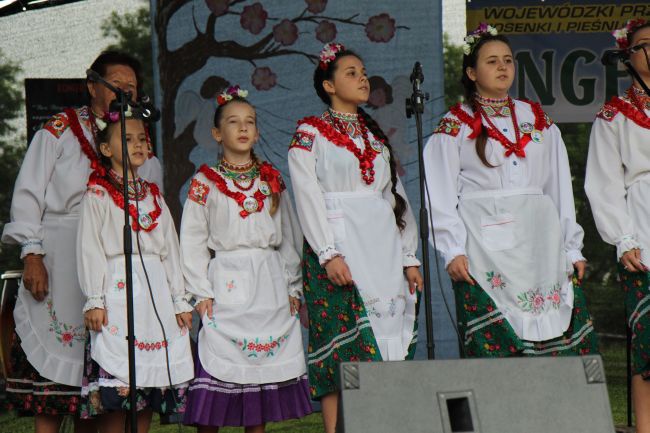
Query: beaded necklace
[{"x": 369, "y": 153}]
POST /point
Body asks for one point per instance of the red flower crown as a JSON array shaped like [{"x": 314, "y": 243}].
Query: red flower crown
[
  {"x": 621, "y": 34},
  {"x": 231, "y": 92},
  {"x": 328, "y": 53}
]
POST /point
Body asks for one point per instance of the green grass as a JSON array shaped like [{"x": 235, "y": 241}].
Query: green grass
[
  {"x": 613, "y": 352},
  {"x": 311, "y": 424}
]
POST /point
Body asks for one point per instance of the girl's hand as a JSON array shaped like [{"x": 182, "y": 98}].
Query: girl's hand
[
  {"x": 338, "y": 272},
  {"x": 96, "y": 318},
  {"x": 35, "y": 276},
  {"x": 294, "y": 305},
  {"x": 631, "y": 261},
  {"x": 414, "y": 277},
  {"x": 580, "y": 266},
  {"x": 184, "y": 320},
  {"x": 203, "y": 307},
  {"x": 458, "y": 270}
]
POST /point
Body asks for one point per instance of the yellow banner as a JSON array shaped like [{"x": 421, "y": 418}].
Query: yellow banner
[{"x": 566, "y": 18}]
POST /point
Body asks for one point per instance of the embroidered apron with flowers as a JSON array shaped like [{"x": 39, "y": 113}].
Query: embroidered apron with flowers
[
  {"x": 52, "y": 331},
  {"x": 365, "y": 232},
  {"x": 516, "y": 254},
  {"x": 109, "y": 347},
  {"x": 252, "y": 336}
]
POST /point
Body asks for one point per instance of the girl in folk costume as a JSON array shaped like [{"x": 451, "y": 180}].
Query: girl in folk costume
[
  {"x": 360, "y": 268},
  {"x": 162, "y": 316},
  {"x": 618, "y": 168},
  {"x": 504, "y": 217},
  {"x": 47, "y": 353},
  {"x": 250, "y": 368}
]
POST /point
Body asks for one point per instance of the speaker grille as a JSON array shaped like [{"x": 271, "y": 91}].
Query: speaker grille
[
  {"x": 593, "y": 369},
  {"x": 350, "y": 376}
]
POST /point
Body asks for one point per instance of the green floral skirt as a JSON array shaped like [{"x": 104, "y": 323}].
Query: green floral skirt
[
  {"x": 339, "y": 328},
  {"x": 636, "y": 286},
  {"x": 487, "y": 333}
]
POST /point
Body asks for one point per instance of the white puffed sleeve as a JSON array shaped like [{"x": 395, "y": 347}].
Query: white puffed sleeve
[
  {"x": 28, "y": 203},
  {"x": 291, "y": 246},
  {"x": 195, "y": 255},
  {"x": 605, "y": 187},
  {"x": 442, "y": 166},
  {"x": 559, "y": 188},
  {"x": 310, "y": 204},
  {"x": 410, "y": 233},
  {"x": 91, "y": 254},
  {"x": 171, "y": 263}
]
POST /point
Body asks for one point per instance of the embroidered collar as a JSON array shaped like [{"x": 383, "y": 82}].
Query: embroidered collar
[
  {"x": 640, "y": 97},
  {"x": 494, "y": 107},
  {"x": 348, "y": 121},
  {"x": 346, "y": 117},
  {"x": 136, "y": 187},
  {"x": 494, "y": 102}
]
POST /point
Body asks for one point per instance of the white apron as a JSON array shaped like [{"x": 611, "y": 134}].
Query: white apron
[
  {"x": 638, "y": 207},
  {"x": 109, "y": 347},
  {"x": 516, "y": 254},
  {"x": 366, "y": 233},
  {"x": 252, "y": 336},
  {"x": 52, "y": 331}
]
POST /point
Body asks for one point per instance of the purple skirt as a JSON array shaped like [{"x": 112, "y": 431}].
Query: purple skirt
[{"x": 212, "y": 402}]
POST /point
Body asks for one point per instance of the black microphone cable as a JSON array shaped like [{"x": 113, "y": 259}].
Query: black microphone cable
[
  {"x": 153, "y": 302},
  {"x": 435, "y": 253}
]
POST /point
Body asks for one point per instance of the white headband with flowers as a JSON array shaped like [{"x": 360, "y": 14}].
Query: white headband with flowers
[
  {"x": 112, "y": 117},
  {"x": 473, "y": 38},
  {"x": 621, "y": 34},
  {"x": 328, "y": 53},
  {"x": 230, "y": 93}
]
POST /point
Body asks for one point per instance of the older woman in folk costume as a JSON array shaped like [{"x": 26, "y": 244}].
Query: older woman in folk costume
[
  {"x": 47, "y": 354},
  {"x": 618, "y": 169},
  {"x": 360, "y": 268},
  {"x": 504, "y": 217}
]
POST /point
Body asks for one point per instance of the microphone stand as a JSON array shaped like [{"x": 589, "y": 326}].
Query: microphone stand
[
  {"x": 415, "y": 107},
  {"x": 635, "y": 74},
  {"x": 122, "y": 103}
]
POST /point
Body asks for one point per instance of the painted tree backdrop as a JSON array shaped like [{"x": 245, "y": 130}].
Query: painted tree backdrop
[{"x": 270, "y": 47}]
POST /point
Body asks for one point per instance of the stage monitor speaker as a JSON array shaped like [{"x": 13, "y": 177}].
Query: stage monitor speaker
[{"x": 512, "y": 395}]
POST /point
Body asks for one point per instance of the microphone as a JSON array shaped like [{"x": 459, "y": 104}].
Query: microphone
[
  {"x": 148, "y": 110},
  {"x": 417, "y": 77},
  {"x": 612, "y": 57},
  {"x": 93, "y": 76}
]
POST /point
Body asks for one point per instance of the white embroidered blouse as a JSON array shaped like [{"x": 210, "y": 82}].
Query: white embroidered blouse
[
  {"x": 453, "y": 168},
  {"x": 319, "y": 166},
  {"x": 618, "y": 170}
]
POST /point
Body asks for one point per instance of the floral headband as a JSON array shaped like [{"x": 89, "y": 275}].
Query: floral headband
[
  {"x": 473, "y": 38},
  {"x": 231, "y": 92},
  {"x": 328, "y": 53},
  {"x": 622, "y": 33},
  {"x": 112, "y": 117}
]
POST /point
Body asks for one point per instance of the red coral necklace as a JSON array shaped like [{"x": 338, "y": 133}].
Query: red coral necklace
[
  {"x": 146, "y": 222},
  {"x": 517, "y": 146},
  {"x": 269, "y": 183}
]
